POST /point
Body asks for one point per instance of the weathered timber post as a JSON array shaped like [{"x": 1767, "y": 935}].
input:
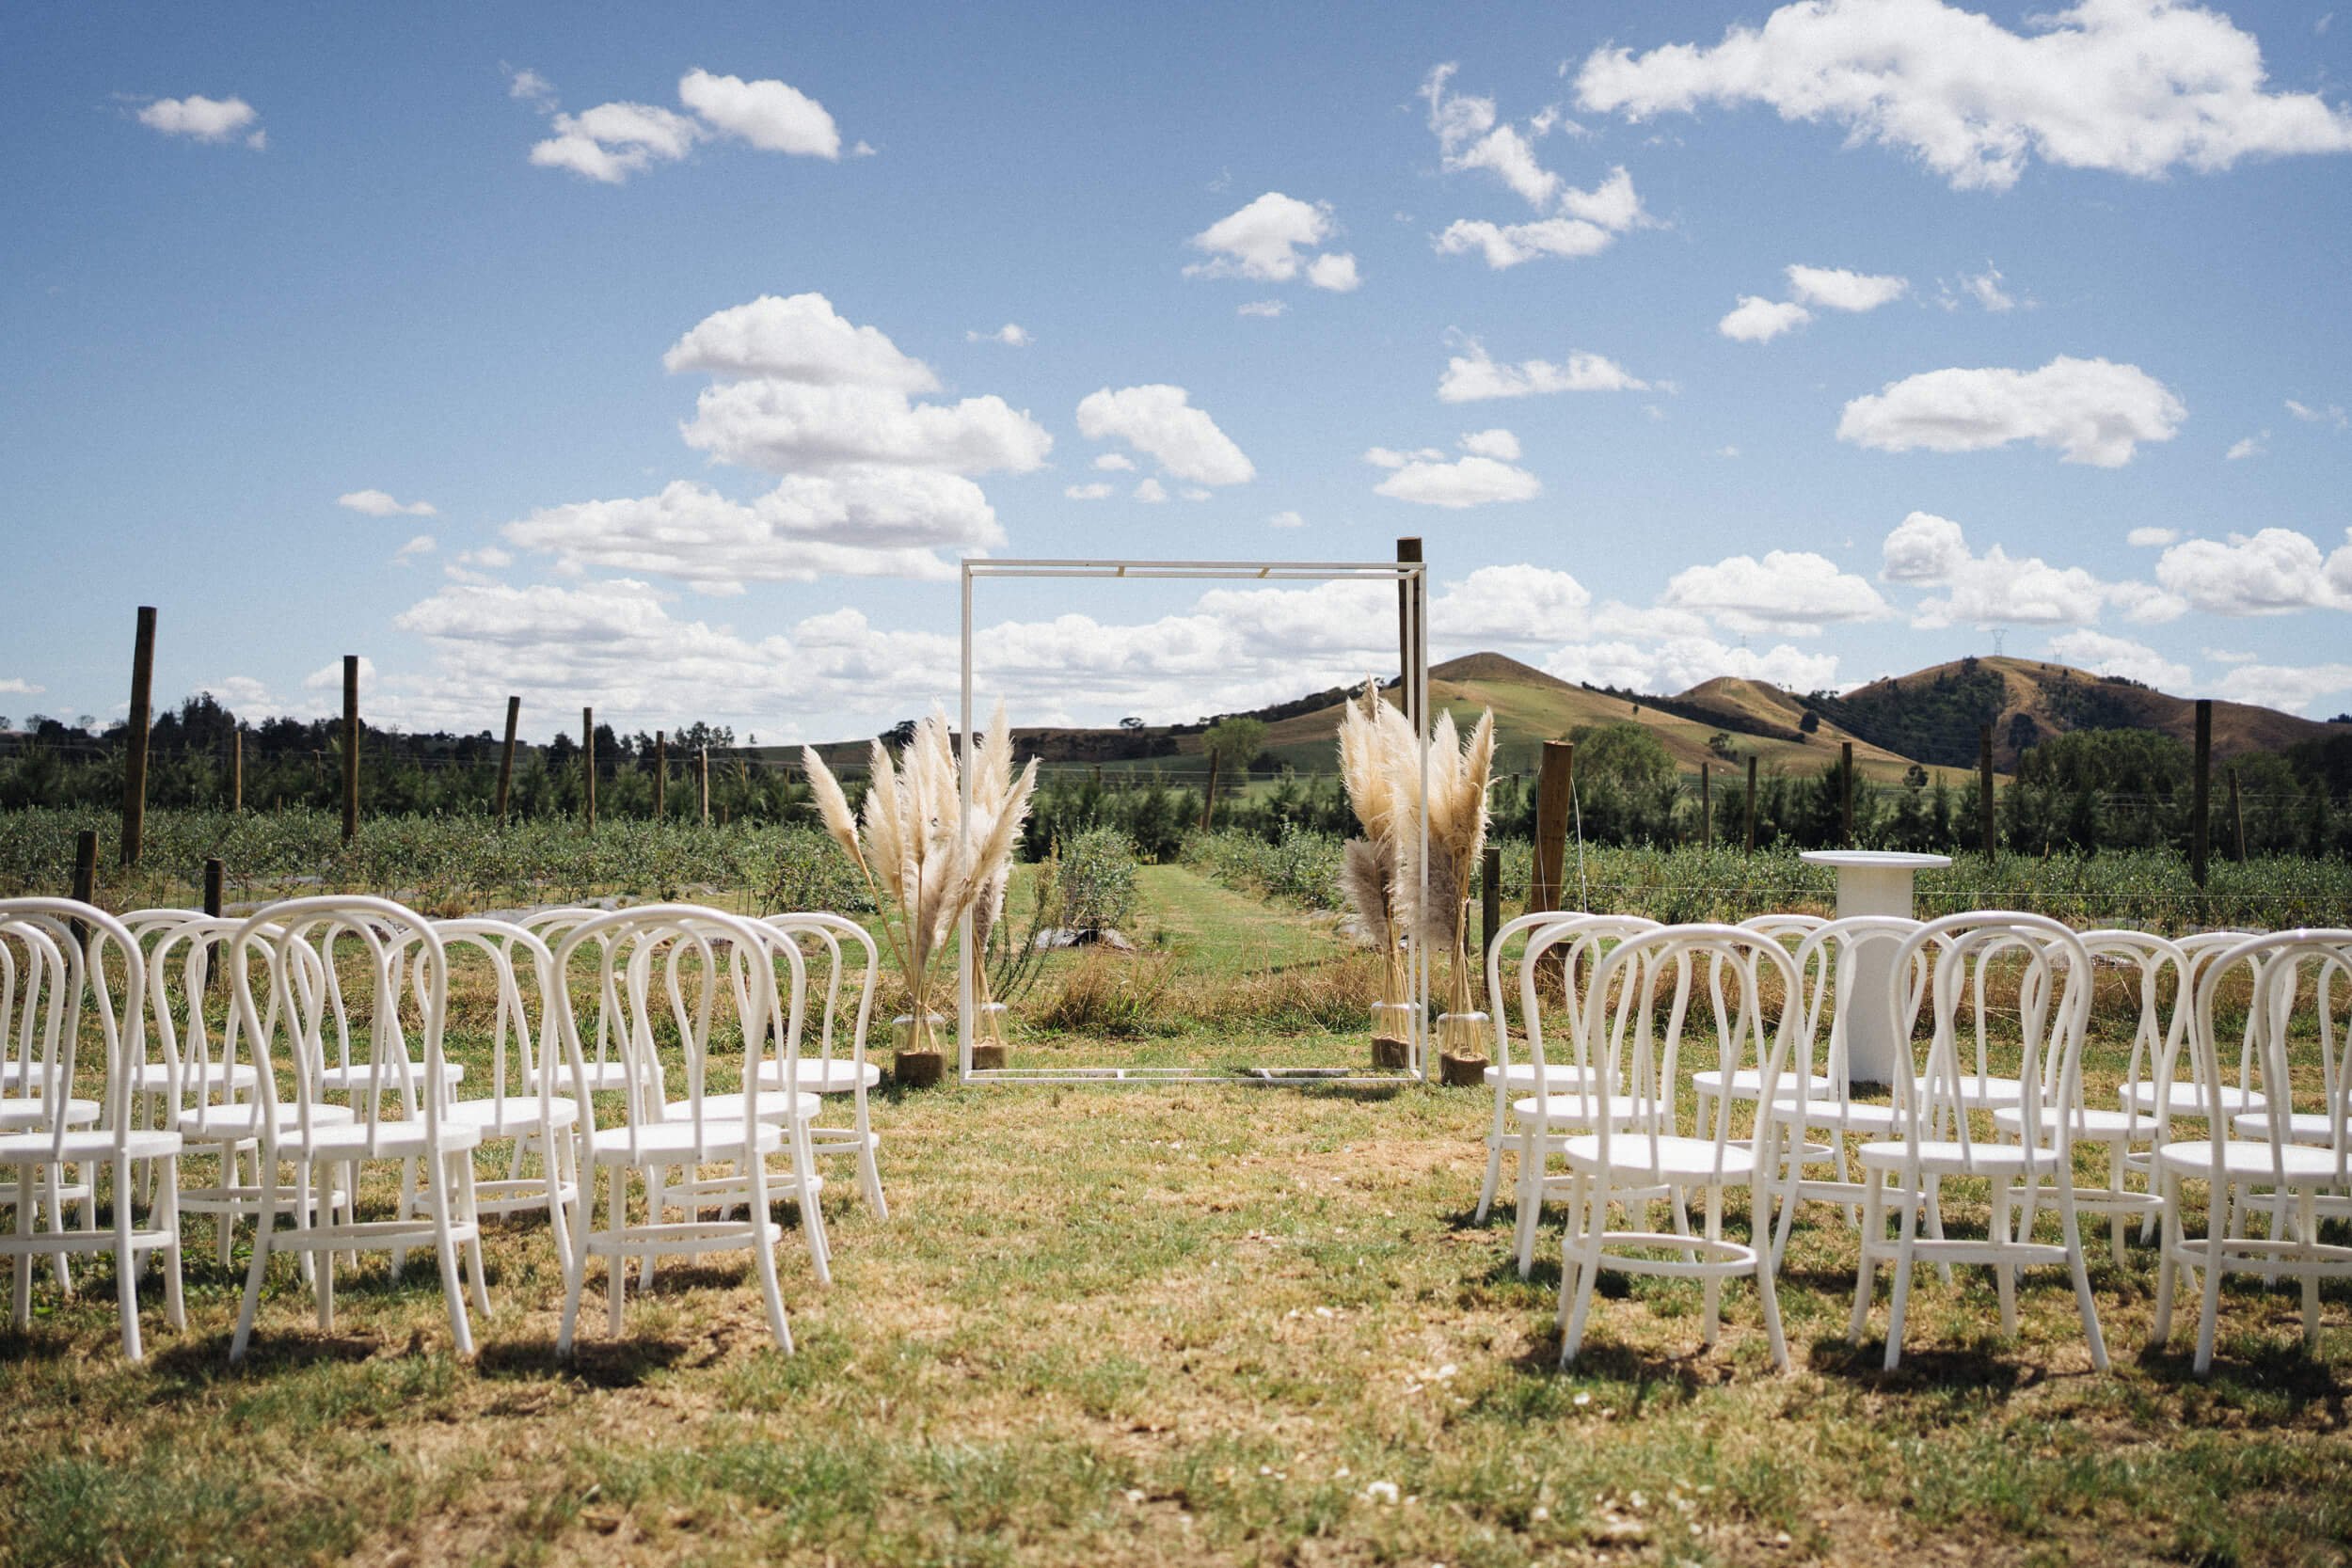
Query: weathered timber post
[
  {"x": 2200, "y": 796},
  {"x": 506, "y": 756},
  {"x": 1845, "y": 792},
  {"x": 134, "y": 737},
  {"x": 1554, "y": 779},
  {"x": 705, "y": 766},
  {"x": 1988, "y": 825},
  {"x": 2237, "y": 819},
  {"x": 351, "y": 746},
  {"x": 1707, "y": 809},
  {"x": 1751, "y": 803},
  {"x": 660, "y": 769}
]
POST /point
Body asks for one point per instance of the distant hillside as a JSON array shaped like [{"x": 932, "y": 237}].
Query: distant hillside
[
  {"x": 1936, "y": 713},
  {"x": 1930, "y": 716}
]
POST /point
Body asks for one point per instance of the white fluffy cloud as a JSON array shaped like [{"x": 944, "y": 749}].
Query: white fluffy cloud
[
  {"x": 2293, "y": 688},
  {"x": 1160, "y": 421},
  {"x": 1788, "y": 592},
  {"x": 1470, "y": 136},
  {"x": 1263, "y": 242},
  {"x": 1678, "y": 663},
  {"x": 1095, "y": 492},
  {"x": 1013, "y": 335},
  {"x": 2245, "y": 447},
  {"x": 378, "y": 503},
  {"x": 2151, "y": 538},
  {"x": 17, "y": 686},
  {"x": 1264, "y": 310},
  {"x": 612, "y": 141},
  {"x": 2133, "y": 86},
  {"x": 2089, "y": 410},
  {"x": 1486, "y": 475},
  {"x": 1757, "y": 319},
  {"x": 1471, "y": 376},
  {"x": 1286, "y": 520},
  {"x": 202, "y": 118},
  {"x": 1994, "y": 587},
  {"x": 2330, "y": 414},
  {"x": 870, "y": 482},
  {"x": 800, "y": 339},
  {"x": 859, "y": 521},
  {"x": 1837, "y": 289},
  {"x": 2118, "y": 656},
  {"x": 2275, "y": 571},
  {"x": 1150, "y": 491},
  {"x": 772, "y": 116}
]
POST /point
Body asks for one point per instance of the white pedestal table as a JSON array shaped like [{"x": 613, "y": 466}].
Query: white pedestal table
[{"x": 1874, "y": 881}]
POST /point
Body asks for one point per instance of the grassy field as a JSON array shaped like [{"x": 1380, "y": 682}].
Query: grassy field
[{"x": 1196, "y": 1325}]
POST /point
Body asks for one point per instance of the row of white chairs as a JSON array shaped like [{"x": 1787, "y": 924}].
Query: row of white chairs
[
  {"x": 2256, "y": 1111},
  {"x": 330, "y": 1058}
]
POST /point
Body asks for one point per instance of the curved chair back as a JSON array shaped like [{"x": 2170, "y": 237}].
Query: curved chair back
[
  {"x": 104, "y": 962},
  {"x": 2298, "y": 992},
  {"x": 522, "y": 974}
]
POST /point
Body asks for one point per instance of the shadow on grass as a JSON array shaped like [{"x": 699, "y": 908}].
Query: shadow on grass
[
  {"x": 2279, "y": 1367},
  {"x": 1926, "y": 1369},
  {"x": 599, "y": 1363},
  {"x": 191, "y": 1365}
]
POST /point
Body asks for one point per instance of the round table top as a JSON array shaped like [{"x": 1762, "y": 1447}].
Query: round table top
[{"x": 1875, "y": 859}]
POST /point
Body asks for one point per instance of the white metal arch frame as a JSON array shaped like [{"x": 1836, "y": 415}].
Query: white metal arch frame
[{"x": 1412, "y": 579}]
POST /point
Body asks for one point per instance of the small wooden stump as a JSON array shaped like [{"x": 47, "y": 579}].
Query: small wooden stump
[
  {"x": 1391, "y": 1056},
  {"x": 990, "y": 1058},
  {"x": 918, "y": 1069},
  {"x": 1461, "y": 1072}
]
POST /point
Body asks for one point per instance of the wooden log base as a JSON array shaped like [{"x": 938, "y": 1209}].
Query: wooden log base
[
  {"x": 1391, "y": 1056},
  {"x": 1461, "y": 1072},
  {"x": 918, "y": 1069}
]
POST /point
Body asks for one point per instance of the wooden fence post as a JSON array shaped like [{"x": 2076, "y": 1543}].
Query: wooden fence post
[
  {"x": 351, "y": 746},
  {"x": 2200, "y": 796},
  {"x": 1844, "y": 791},
  {"x": 236, "y": 770},
  {"x": 211, "y": 907},
  {"x": 1554, "y": 782},
  {"x": 1751, "y": 803},
  {"x": 1988, "y": 824},
  {"x": 588, "y": 763},
  {"x": 135, "y": 754},
  {"x": 2237, "y": 819},
  {"x": 660, "y": 769},
  {"x": 1707, "y": 809},
  {"x": 1208, "y": 800},
  {"x": 86, "y": 866},
  {"x": 1489, "y": 896},
  {"x": 1408, "y": 550},
  {"x": 506, "y": 756},
  {"x": 705, "y": 766}
]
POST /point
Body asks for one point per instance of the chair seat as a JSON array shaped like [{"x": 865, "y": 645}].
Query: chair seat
[
  {"x": 832, "y": 1075},
  {"x": 1748, "y": 1084},
  {"x": 773, "y": 1106},
  {"x": 673, "y": 1142},
  {"x": 510, "y": 1111},
  {"x": 1520, "y": 1077},
  {"x": 2303, "y": 1127},
  {"x": 1950, "y": 1157},
  {"x": 1662, "y": 1159},
  {"x": 1977, "y": 1094},
  {"x": 2301, "y": 1165},
  {"x": 1574, "y": 1110},
  {"x": 2187, "y": 1099},
  {"x": 1861, "y": 1116},
  {"x": 2091, "y": 1124},
  {"x": 392, "y": 1140},
  {"x": 240, "y": 1122},
  {"x": 600, "y": 1076},
  {"x": 80, "y": 1146},
  {"x": 357, "y": 1079},
  {"x": 19, "y": 1114},
  {"x": 152, "y": 1078}
]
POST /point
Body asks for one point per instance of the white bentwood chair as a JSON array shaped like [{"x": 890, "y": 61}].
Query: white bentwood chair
[
  {"x": 828, "y": 1071},
  {"x": 89, "y": 944},
  {"x": 1987, "y": 957},
  {"x": 2297, "y": 1147},
  {"x": 698, "y": 962},
  {"x": 1629, "y": 1156},
  {"x": 294, "y": 944}
]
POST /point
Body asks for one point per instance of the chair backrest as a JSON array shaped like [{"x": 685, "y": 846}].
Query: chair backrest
[
  {"x": 34, "y": 986},
  {"x": 298, "y": 944},
  {"x": 2299, "y": 1013},
  {"x": 830, "y": 929},
  {"x": 2199, "y": 949},
  {"x": 523, "y": 1026},
  {"x": 704, "y": 964},
  {"x": 1578, "y": 941},
  {"x": 2159, "y": 1024},
  {"x": 1640, "y": 1055},
  {"x": 104, "y": 962},
  {"x": 1989, "y": 957},
  {"x": 550, "y": 927},
  {"x": 1828, "y": 972},
  {"x": 196, "y": 1064}
]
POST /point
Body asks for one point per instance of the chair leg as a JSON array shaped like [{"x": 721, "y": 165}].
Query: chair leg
[
  {"x": 445, "y": 1252},
  {"x": 812, "y": 1210},
  {"x": 1866, "y": 1268},
  {"x": 1570, "y": 1232},
  {"x": 764, "y": 1260},
  {"x": 1493, "y": 1178},
  {"x": 1712, "y": 1290},
  {"x": 656, "y": 1178},
  {"x": 1767, "y": 1278},
  {"x": 1906, "y": 1242},
  {"x": 617, "y": 1271},
  {"x": 2115, "y": 1221},
  {"x": 1531, "y": 1200},
  {"x": 576, "y": 1266},
  {"x": 2167, "y": 1259},
  {"x": 27, "y": 1203},
  {"x": 2005, "y": 1274},
  {"x": 2209, "y": 1302},
  {"x": 264, "y": 1227},
  {"x": 312, "y": 1180},
  {"x": 126, "y": 1257},
  {"x": 1595, "y": 1217},
  {"x": 175, "y": 1307},
  {"x": 2080, "y": 1266},
  {"x": 470, "y": 1215},
  {"x": 2307, "y": 1228}
]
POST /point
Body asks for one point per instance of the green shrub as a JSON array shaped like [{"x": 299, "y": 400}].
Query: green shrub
[{"x": 1098, "y": 879}]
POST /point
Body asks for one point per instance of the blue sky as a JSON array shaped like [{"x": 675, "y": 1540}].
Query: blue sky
[{"x": 267, "y": 274}]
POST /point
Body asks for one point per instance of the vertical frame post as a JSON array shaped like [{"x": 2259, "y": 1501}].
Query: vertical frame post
[{"x": 965, "y": 958}]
